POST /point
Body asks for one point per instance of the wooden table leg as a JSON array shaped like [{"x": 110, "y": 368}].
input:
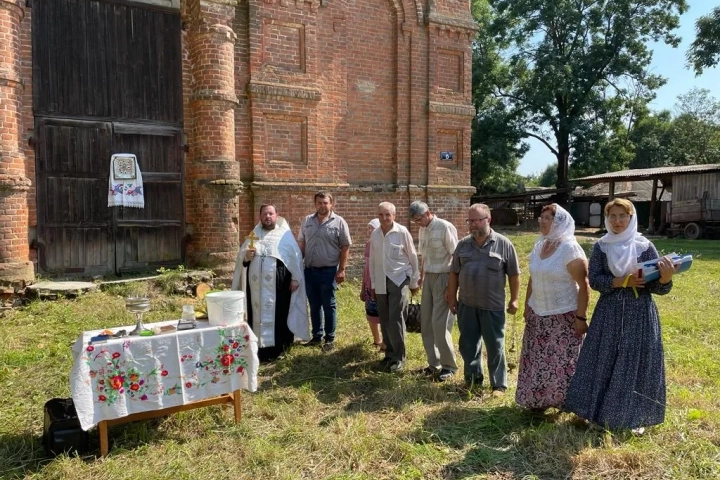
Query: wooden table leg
[
  {"x": 103, "y": 433},
  {"x": 237, "y": 405}
]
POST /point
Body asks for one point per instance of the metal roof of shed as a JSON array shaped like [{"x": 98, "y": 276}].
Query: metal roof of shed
[{"x": 647, "y": 173}]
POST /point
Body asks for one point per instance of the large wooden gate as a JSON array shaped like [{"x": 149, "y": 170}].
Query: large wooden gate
[{"x": 106, "y": 79}]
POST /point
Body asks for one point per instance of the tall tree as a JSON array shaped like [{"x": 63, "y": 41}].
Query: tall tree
[
  {"x": 696, "y": 129},
  {"x": 569, "y": 58},
  {"x": 496, "y": 144},
  {"x": 704, "y": 52}
]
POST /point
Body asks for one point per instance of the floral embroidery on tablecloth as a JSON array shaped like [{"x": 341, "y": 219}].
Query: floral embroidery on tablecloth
[
  {"x": 224, "y": 360},
  {"x": 113, "y": 378}
]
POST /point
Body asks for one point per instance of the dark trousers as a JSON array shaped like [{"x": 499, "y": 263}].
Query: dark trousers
[
  {"x": 478, "y": 325},
  {"x": 320, "y": 287},
  {"x": 391, "y": 308}
]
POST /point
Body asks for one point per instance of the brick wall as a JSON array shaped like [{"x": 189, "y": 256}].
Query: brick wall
[
  {"x": 15, "y": 267},
  {"x": 283, "y": 98}
]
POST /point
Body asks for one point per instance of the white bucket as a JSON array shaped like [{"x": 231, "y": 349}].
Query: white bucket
[{"x": 225, "y": 308}]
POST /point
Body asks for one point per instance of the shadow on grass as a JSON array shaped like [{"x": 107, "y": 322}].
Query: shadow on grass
[
  {"x": 504, "y": 440},
  {"x": 350, "y": 374}
]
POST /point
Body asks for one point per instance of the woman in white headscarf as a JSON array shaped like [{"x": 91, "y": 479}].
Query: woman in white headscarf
[
  {"x": 555, "y": 312},
  {"x": 619, "y": 382},
  {"x": 371, "y": 311}
]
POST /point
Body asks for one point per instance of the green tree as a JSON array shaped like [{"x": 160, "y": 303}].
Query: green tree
[
  {"x": 548, "y": 177},
  {"x": 652, "y": 137},
  {"x": 496, "y": 144},
  {"x": 704, "y": 52},
  {"x": 566, "y": 59},
  {"x": 696, "y": 129}
]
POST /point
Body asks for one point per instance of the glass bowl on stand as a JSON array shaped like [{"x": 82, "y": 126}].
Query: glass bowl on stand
[{"x": 138, "y": 306}]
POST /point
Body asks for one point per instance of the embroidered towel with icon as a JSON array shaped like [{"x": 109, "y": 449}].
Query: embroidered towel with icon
[
  {"x": 649, "y": 271},
  {"x": 126, "y": 186}
]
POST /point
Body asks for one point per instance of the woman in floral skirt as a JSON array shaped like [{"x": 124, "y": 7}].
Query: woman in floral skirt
[
  {"x": 555, "y": 312},
  {"x": 619, "y": 382}
]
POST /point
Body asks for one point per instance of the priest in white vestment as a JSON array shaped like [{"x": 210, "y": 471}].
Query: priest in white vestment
[{"x": 270, "y": 272}]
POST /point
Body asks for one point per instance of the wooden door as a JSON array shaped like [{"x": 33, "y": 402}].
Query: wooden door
[
  {"x": 75, "y": 232},
  {"x": 107, "y": 78},
  {"x": 152, "y": 236}
]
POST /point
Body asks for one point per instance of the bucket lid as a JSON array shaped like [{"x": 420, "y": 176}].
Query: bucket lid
[{"x": 226, "y": 294}]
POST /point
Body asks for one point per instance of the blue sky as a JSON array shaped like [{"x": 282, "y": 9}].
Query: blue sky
[{"x": 668, "y": 62}]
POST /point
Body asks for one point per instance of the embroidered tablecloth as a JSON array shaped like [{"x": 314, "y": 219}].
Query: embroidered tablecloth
[{"x": 119, "y": 377}]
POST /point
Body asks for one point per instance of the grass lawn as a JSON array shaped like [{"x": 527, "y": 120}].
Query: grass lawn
[{"x": 332, "y": 416}]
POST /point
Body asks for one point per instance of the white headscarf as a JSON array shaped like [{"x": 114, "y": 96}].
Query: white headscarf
[
  {"x": 623, "y": 249},
  {"x": 374, "y": 223},
  {"x": 561, "y": 230}
]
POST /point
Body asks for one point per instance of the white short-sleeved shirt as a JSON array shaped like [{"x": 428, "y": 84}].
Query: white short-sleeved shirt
[
  {"x": 437, "y": 244},
  {"x": 554, "y": 290}
]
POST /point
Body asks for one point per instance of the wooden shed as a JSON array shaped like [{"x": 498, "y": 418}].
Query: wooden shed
[{"x": 695, "y": 206}]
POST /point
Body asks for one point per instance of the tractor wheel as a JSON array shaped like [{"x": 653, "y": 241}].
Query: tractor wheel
[{"x": 693, "y": 231}]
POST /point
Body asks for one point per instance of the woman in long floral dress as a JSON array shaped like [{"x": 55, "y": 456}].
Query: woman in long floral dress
[
  {"x": 619, "y": 382},
  {"x": 555, "y": 312}
]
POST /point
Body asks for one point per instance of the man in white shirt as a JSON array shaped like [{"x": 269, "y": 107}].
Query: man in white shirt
[
  {"x": 438, "y": 239},
  {"x": 393, "y": 267}
]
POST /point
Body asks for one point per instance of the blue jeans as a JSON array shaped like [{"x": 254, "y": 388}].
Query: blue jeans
[
  {"x": 478, "y": 326},
  {"x": 320, "y": 287}
]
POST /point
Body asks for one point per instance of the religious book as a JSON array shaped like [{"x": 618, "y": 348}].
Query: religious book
[{"x": 649, "y": 271}]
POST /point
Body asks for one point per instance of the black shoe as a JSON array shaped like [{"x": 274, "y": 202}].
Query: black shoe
[
  {"x": 314, "y": 342},
  {"x": 397, "y": 366},
  {"x": 429, "y": 371},
  {"x": 445, "y": 374},
  {"x": 384, "y": 364},
  {"x": 328, "y": 346}
]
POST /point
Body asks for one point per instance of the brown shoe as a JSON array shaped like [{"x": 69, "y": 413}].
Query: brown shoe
[{"x": 498, "y": 392}]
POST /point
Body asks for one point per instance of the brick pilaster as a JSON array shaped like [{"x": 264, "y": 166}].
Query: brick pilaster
[
  {"x": 15, "y": 267},
  {"x": 213, "y": 172}
]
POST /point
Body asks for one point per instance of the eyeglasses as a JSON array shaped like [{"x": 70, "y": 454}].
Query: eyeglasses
[
  {"x": 621, "y": 217},
  {"x": 469, "y": 221},
  {"x": 545, "y": 219},
  {"x": 417, "y": 219}
]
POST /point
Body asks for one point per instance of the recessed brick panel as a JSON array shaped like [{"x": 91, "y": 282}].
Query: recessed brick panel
[
  {"x": 449, "y": 142},
  {"x": 371, "y": 121},
  {"x": 450, "y": 71},
  {"x": 286, "y": 139},
  {"x": 284, "y": 45}
]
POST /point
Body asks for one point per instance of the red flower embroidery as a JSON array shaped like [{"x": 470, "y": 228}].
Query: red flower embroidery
[
  {"x": 188, "y": 385},
  {"x": 164, "y": 373},
  {"x": 90, "y": 348},
  {"x": 226, "y": 348},
  {"x": 134, "y": 377},
  {"x": 116, "y": 355},
  {"x": 102, "y": 398},
  {"x": 240, "y": 369},
  {"x": 227, "y": 360},
  {"x": 236, "y": 344},
  {"x": 134, "y": 387},
  {"x": 117, "y": 381}
]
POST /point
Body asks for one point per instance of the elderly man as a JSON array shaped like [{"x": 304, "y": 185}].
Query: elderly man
[
  {"x": 269, "y": 270},
  {"x": 480, "y": 264},
  {"x": 393, "y": 267},
  {"x": 438, "y": 239},
  {"x": 325, "y": 242}
]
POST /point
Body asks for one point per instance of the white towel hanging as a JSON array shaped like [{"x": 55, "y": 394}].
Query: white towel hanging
[{"x": 126, "y": 186}]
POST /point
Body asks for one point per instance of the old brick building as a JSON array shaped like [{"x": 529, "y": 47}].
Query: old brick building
[{"x": 227, "y": 104}]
